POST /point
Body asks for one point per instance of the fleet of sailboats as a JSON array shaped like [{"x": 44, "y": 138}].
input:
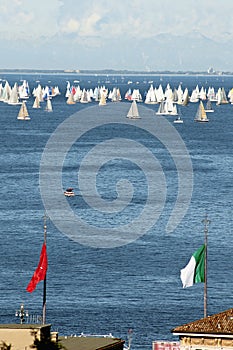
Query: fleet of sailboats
[{"x": 168, "y": 99}]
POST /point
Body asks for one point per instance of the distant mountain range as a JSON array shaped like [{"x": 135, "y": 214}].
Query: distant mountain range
[{"x": 164, "y": 52}]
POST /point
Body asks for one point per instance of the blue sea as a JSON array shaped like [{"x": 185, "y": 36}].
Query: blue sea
[{"x": 114, "y": 265}]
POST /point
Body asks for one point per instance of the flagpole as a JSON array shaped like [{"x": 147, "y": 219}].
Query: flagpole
[
  {"x": 206, "y": 222},
  {"x": 44, "y": 289}
]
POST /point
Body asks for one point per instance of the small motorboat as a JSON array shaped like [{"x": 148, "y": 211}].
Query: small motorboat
[
  {"x": 178, "y": 120},
  {"x": 69, "y": 192}
]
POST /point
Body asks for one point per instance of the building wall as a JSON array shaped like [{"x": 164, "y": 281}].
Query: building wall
[
  {"x": 165, "y": 345},
  {"x": 21, "y": 338},
  {"x": 201, "y": 343}
]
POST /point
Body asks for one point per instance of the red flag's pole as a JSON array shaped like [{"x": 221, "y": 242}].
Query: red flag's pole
[
  {"x": 44, "y": 289},
  {"x": 44, "y": 303}
]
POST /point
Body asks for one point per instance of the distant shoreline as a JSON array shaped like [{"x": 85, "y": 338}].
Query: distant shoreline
[{"x": 109, "y": 72}]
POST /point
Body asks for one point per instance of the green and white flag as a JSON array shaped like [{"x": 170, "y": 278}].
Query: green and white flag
[{"x": 194, "y": 272}]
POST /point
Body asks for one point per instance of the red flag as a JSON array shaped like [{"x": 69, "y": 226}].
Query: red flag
[{"x": 40, "y": 272}]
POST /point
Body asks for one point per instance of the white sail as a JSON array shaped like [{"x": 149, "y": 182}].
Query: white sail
[
  {"x": 84, "y": 97},
  {"x": 14, "y": 96},
  {"x": 133, "y": 111},
  {"x": 221, "y": 96},
  {"x": 201, "y": 114},
  {"x": 23, "y": 112},
  {"x": 49, "y": 107},
  {"x": 211, "y": 95},
  {"x": 36, "y": 103},
  {"x": 174, "y": 110},
  {"x": 70, "y": 99},
  {"x": 67, "y": 89},
  {"x": 78, "y": 94},
  {"x": 167, "y": 108},
  {"x": 102, "y": 101},
  {"x": 150, "y": 96},
  {"x": 194, "y": 96},
  {"x": 159, "y": 94},
  {"x": 208, "y": 107},
  {"x": 6, "y": 92},
  {"x": 115, "y": 95},
  {"x": 24, "y": 90},
  {"x": 185, "y": 97},
  {"x": 136, "y": 95}
]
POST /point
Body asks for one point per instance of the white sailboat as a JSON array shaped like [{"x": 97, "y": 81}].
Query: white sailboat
[
  {"x": 70, "y": 99},
  {"x": 67, "y": 89},
  {"x": 178, "y": 120},
  {"x": 84, "y": 97},
  {"x": 38, "y": 91},
  {"x": 23, "y": 112},
  {"x": 162, "y": 109},
  {"x": 185, "y": 97},
  {"x": 230, "y": 96},
  {"x": 14, "y": 96},
  {"x": 221, "y": 96},
  {"x": 133, "y": 111},
  {"x": 195, "y": 95},
  {"x": 49, "y": 107},
  {"x": 150, "y": 96},
  {"x": 136, "y": 95},
  {"x": 115, "y": 95},
  {"x": 167, "y": 108},
  {"x": 6, "y": 92},
  {"x": 201, "y": 114},
  {"x": 102, "y": 101},
  {"x": 36, "y": 103},
  {"x": 208, "y": 107},
  {"x": 24, "y": 90}
]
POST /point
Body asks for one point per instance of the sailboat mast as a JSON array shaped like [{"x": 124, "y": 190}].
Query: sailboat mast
[
  {"x": 206, "y": 223},
  {"x": 44, "y": 289}
]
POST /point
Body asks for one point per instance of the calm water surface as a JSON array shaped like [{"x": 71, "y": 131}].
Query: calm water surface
[{"x": 98, "y": 291}]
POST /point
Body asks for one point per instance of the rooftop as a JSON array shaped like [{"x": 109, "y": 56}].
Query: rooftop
[
  {"x": 23, "y": 326},
  {"x": 90, "y": 342},
  {"x": 221, "y": 323}
]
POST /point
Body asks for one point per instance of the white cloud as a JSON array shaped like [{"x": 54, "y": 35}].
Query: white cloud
[
  {"x": 89, "y": 25},
  {"x": 144, "y": 19},
  {"x": 72, "y": 25},
  {"x": 135, "y": 19},
  {"x": 86, "y": 27},
  {"x": 27, "y": 19},
  {"x": 124, "y": 22}
]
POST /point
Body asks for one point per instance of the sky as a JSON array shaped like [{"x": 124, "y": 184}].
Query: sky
[{"x": 120, "y": 34}]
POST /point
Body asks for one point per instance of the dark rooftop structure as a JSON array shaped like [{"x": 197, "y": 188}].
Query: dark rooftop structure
[{"x": 91, "y": 343}]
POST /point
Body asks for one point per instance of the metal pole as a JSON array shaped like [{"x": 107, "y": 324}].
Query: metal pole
[
  {"x": 44, "y": 289},
  {"x": 206, "y": 222},
  {"x": 44, "y": 303}
]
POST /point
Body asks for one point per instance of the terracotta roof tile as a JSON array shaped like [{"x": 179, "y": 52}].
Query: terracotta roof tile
[{"x": 221, "y": 323}]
